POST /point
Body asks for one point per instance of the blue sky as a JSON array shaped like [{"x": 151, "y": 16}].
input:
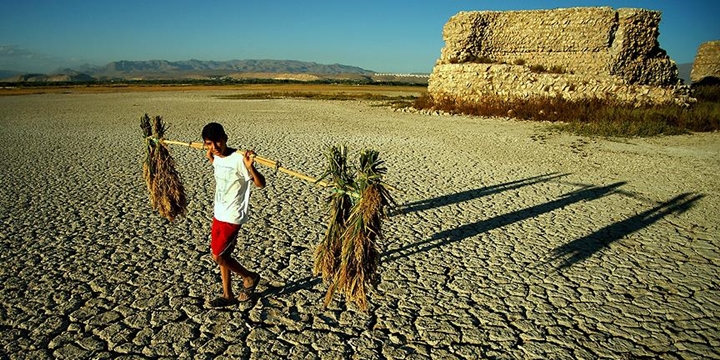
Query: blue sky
[{"x": 384, "y": 36}]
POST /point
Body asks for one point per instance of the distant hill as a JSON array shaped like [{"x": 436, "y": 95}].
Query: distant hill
[
  {"x": 684, "y": 72},
  {"x": 196, "y": 70},
  {"x": 178, "y": 69},
  {"x": 43, "y": 78},
  {"x": 8, "y": 73}
]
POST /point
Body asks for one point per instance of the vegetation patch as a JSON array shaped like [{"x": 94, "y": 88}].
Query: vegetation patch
[
  {"x": 540, "y": 69},
  {"x": 537, "y": 68},
  {"x": 595, "y": 117},
  {"x": 395, "y": 101},
  {"x": 556, "y": 69},
  {"x": 707, "y": 93}
]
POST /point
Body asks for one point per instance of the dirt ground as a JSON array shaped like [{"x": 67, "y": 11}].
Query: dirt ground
[{"x": 511, "y": 240}]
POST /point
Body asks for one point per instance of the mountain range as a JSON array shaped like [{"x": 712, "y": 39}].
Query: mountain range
[
  {"x": 232, "y": 66},
  {"x": 684, "y": 71},
  {"x": 203, "y": 69},
  {"x": 196, "y": 69}
]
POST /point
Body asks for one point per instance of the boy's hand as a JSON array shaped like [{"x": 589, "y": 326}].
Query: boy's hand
[
  {"x": 257, "y": 178},
  {"x": 209, "y": 155},
  {"x": 249, "y": 158}
]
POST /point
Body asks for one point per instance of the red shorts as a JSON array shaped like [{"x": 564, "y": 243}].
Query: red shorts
[{"x": 223, "y": 236}]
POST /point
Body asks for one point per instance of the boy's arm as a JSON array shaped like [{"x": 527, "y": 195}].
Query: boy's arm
[{"x": 257, "y": 178}]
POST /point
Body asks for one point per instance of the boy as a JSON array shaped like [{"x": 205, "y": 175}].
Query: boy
[{"x": 233, "y": 174}]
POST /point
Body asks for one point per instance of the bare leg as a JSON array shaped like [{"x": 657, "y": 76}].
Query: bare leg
[
  {"x": 226, "y": 276},
  {"x": 234, "y": 266},
  {"x": 228, "y": 265}
]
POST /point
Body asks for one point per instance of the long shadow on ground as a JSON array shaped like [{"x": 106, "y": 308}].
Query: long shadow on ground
[
  {"x": 469, "y": 230},
  {"x": 475, "y": 193},
  {"x": 308, "y": 282},
  {"x": 581, "y": 249},
  {"x": 422, "y": 205},
  {"x": 571, "y": 253}
]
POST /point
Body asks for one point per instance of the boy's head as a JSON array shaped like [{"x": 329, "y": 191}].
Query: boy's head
[
  {"x": 214, "y": 132},
  {"x": 215, "y": 139}
]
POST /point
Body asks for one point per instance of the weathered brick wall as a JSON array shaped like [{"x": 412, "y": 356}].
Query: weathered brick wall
[
  {"x": 570, "y": 38},
  {"x": 615, "y": 50},
  {"x": 707, "y": 62},
  {"x": 475, "y": 82}
]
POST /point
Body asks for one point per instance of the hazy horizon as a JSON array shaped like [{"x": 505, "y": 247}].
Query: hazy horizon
[{"x": 394, "y": 37}]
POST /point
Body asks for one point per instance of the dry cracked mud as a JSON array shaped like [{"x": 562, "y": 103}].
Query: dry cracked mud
[{"x": 512, "y": 241}]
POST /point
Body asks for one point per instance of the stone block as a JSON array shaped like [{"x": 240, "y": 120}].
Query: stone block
[{"x": 707, "y": 62}]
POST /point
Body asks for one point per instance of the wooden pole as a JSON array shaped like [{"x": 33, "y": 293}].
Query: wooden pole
[{"x": 260, "y": 160}]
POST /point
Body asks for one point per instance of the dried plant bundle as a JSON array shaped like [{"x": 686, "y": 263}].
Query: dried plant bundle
[
  {"x": 165, "y": 187},
  {"x": 326, "y": 254},
  {"x": 348, "y": 257}
]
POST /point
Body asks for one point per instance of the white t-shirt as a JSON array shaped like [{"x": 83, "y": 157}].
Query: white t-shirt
[{"x": 232, "y": 188}]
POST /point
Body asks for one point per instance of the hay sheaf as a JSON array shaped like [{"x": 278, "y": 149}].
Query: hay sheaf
[
  {"x": 348, "y": 258},
  {"x": 164, "y": 184}
]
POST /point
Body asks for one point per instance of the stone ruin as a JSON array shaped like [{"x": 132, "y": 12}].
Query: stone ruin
[
  {"x": 573, "y": 53},
  {"x": 706, "y": 67}
]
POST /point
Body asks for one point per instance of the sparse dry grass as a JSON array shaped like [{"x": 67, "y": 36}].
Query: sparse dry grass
[
  {"x": 101, "y": 89},
  {"x": 389, "y": 96},
  {"x": 594, "y": 117},
  {"x": 317, "y": 96}
]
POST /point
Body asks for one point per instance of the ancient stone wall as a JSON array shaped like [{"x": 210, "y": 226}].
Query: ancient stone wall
[
  {"x": 595, "y": 51},
  {"x": 707, "y": 62},
  {"x": 570, "y": 38},
  {"x": 475, "y": 82}
]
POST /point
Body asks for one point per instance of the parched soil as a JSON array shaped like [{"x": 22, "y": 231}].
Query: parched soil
[{"x": 512, "y": 241}]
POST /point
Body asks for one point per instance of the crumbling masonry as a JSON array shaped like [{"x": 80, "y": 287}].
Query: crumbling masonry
[
  {"x": 706, "y": 67},
  {"x": 573, "y": 53}
]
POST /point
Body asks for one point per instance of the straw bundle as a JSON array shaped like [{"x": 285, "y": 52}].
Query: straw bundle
[
  {"x": 327, "y": 252},
  {"x": 348, "y": 256},
  {"x": 167, "y": 194}
]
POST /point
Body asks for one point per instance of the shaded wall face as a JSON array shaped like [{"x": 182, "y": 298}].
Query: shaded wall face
[
  {"x": 576, "y": 40},
  {"x": 635, "y": 54}
]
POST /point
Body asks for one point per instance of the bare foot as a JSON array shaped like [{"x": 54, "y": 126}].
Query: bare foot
[{"x": 248, "y": 289}]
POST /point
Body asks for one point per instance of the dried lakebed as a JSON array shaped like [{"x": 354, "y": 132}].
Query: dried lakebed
[{"x": 514, "y": 242}]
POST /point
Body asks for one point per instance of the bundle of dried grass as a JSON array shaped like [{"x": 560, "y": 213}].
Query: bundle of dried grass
[
  {"x": 165, "y": 187},
  {"x": 348, "y": 256},
  {"x": 326, "y": 254}
]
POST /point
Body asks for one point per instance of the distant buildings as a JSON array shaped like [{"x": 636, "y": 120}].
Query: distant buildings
[{"x": 421, "y": 76}]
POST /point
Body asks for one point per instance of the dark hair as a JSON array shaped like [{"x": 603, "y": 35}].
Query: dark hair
[{"x": 213, "y": 132}]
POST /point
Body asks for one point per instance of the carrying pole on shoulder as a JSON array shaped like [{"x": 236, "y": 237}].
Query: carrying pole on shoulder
[{"x": 260, "y": 160}]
